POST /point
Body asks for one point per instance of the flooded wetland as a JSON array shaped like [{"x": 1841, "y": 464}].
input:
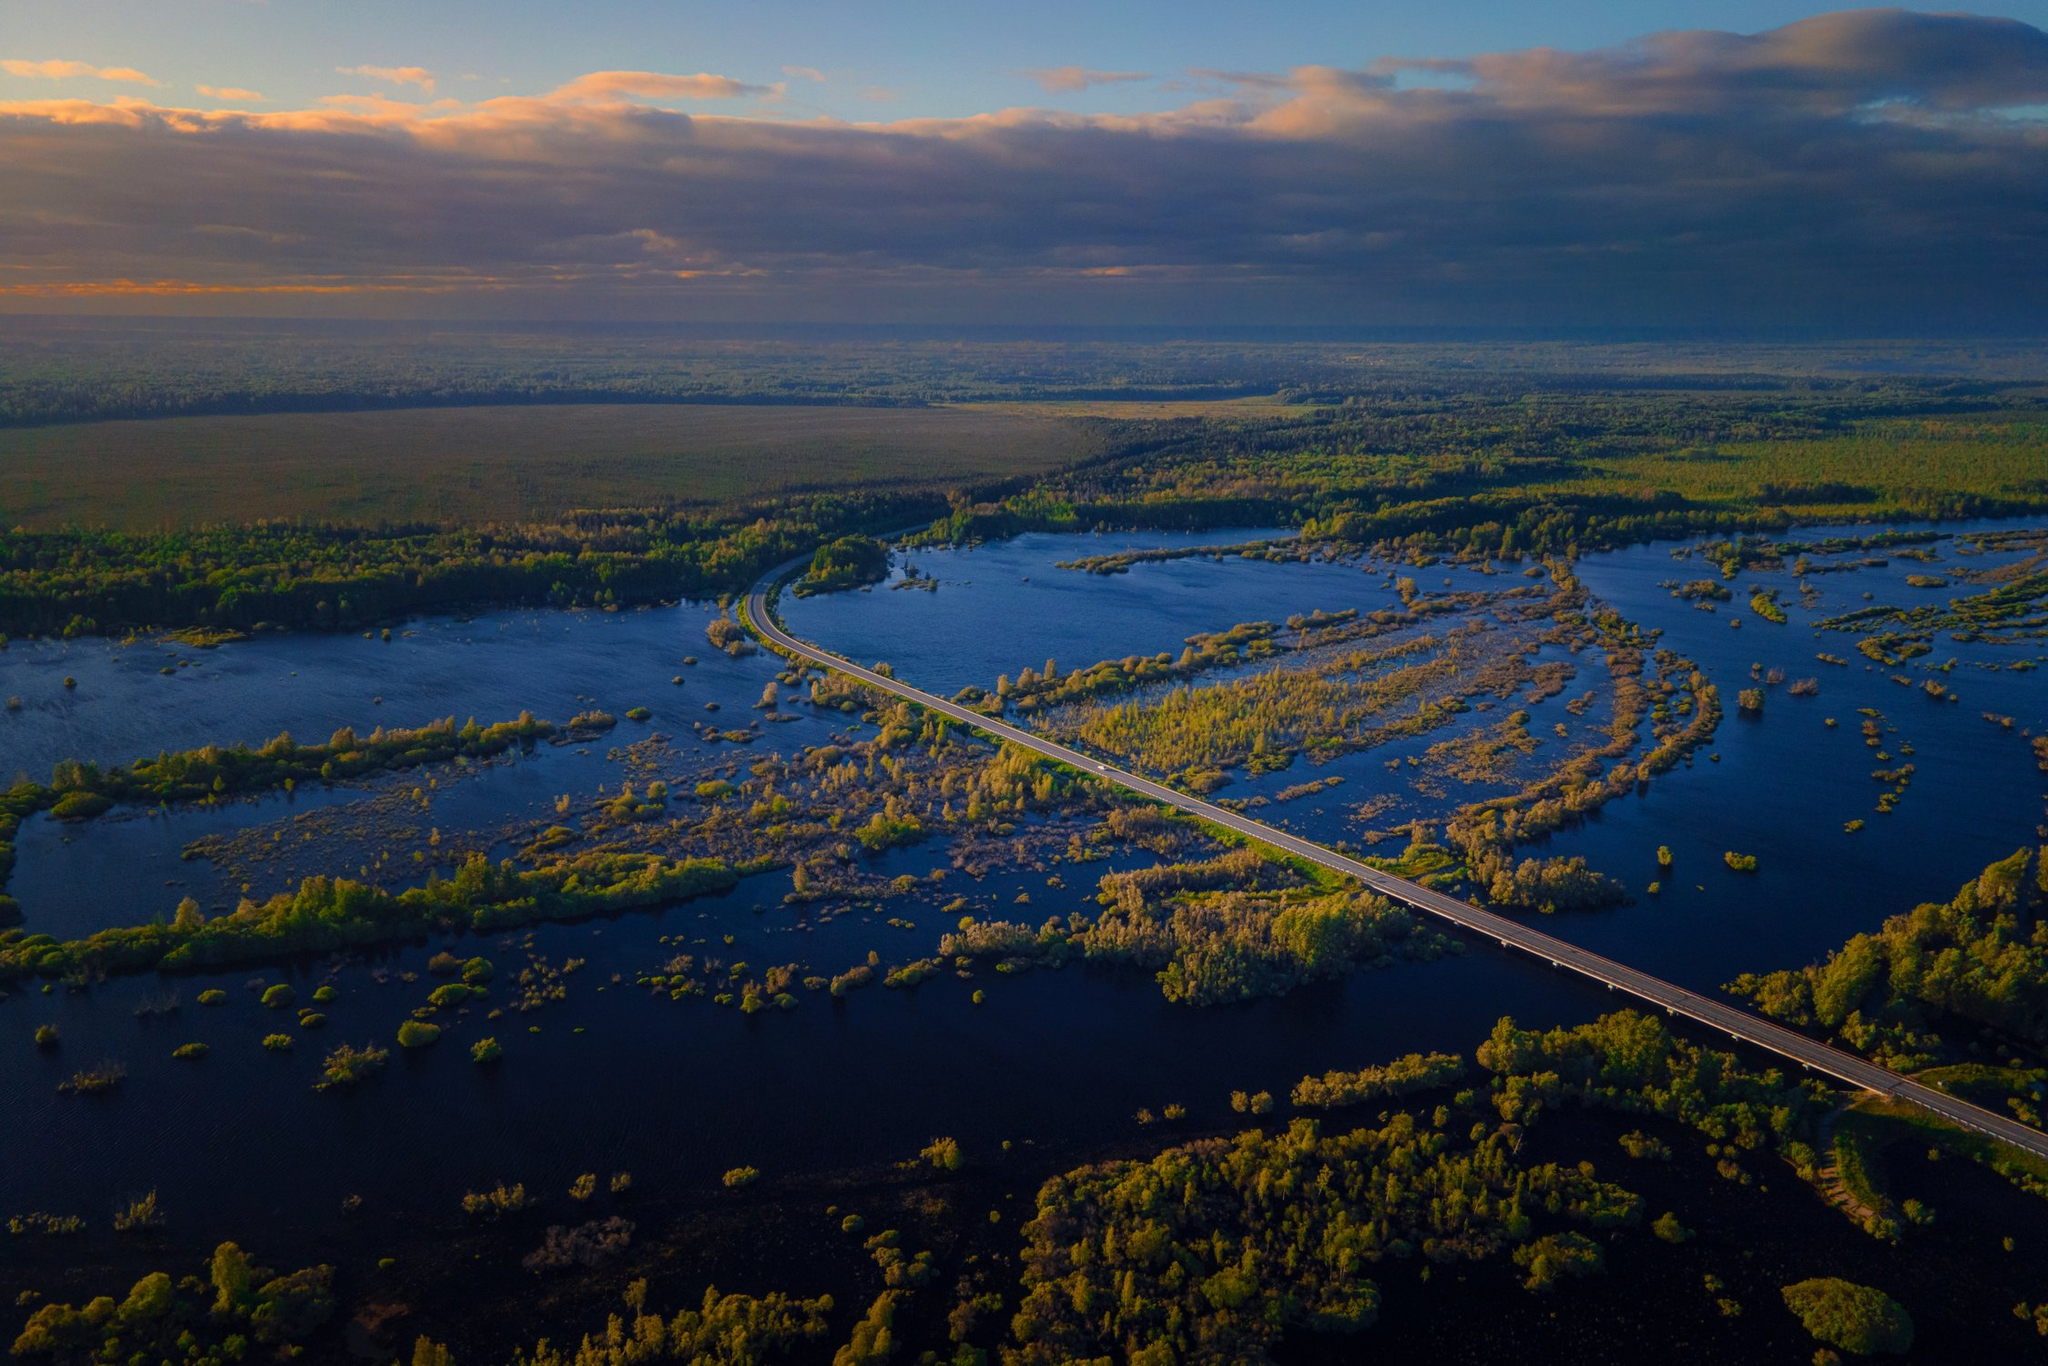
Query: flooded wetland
[{"x": 895, "y": 932}]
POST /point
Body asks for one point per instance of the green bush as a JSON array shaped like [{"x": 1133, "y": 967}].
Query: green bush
[
  {"x": 279, "y": 996},
  {"x": 486, "y": 1050},
  {"x": 78, "y": 806},
  {"x": 417, "y": 1034},
  {"x": 347, "y": 1065}
]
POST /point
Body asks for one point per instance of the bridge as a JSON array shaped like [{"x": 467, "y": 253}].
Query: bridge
[{"x": 1673, "y": 1000}]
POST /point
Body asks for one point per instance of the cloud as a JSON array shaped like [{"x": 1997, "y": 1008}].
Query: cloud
[
  {"x": 804, "y": 73},
  {"x": 1859, "y": 171},
  {"x": 231, "y": 92},
  {"x": 394, "y": 75},
  {"x": 61, "y": 71},
  {"x": 1249, "y": 80},
  {"x": 612, "y": 85},
  {"x": 1061, "y": 79}
]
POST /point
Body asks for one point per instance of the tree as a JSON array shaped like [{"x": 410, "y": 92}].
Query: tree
[
  {"x": 231, "y": 1275},
  {"x": 874, "y": 1337}
]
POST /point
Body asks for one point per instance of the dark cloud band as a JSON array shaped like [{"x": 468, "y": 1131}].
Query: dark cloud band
[{"x": 1869, "y": 169}]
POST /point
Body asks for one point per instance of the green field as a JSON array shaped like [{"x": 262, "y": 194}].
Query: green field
[
  {"x": 499, "y": 464},
  {"x": 1884, "y": 461}
]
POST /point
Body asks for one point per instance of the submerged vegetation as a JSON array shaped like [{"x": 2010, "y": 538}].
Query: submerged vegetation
[{"x": 327, "y": 913}]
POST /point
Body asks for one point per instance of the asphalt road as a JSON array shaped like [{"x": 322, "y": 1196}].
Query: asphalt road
[{"x": 1674, "y": 1000}]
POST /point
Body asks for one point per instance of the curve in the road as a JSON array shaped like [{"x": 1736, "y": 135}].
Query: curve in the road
[{"x": 1674, "y": 1000}]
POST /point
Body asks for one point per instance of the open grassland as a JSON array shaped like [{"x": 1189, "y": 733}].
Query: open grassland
[
  {"x": 470, "y": 466},
  {"x": 1257, "y": 406},
  {"x": 1885, "y": 461}
]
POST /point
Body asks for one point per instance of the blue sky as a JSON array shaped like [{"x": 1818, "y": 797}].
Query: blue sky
[
  {"x": 1741, "y": 164},
  {"x": 885, "y": 59}
]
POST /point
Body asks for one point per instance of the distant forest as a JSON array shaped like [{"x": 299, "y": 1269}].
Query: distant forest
[{"x": 79, "y": 370}]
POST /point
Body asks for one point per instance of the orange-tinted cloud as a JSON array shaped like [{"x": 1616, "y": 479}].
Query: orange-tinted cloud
[
  {"x": 1062, "y": 79},
  {"x": 231, "y": 92},
  {"x": 394, "y": 75},
  {"x": 62, "y": 71},
  {"x": 612, "y": 85}
]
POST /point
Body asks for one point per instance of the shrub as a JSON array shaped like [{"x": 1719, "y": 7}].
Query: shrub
[
  {"x": 93, "y": 1080},
  {"x": 213, "y": 996},
  {"x": 477, "y": 971},
  {"x": 1415, "y": 1072},
  {"x": 417, "y": 1034},
  {"x": 278, "y": 1043},
  {"x": 78, "y": 806},
  {"x": 1741, "y": 863},
  {"x": 638, "y": 714},
  {"x": 325, "y": 995},
  {"x": 46, "y": 1036},
  {"x": 583, "y": 1187},
  {"x": 492, "y": 1203},
  {"x": 140, "y": 1214},
  {"x": 1669, "y": 1229},
  {"x": 191, "y": 1052},
  {"x": 279, "y": 997},
  {"x": 586, "y": 1245},
  {"x": 485, "y": 1050},
  {"x": 740, "y": 1177},
  {"x": 1551, "y": 1259},
  {"x": 346, "y": 1065},
  {"x": 944, "y": 1155},
  {"x": 1855, "y": 1318}
]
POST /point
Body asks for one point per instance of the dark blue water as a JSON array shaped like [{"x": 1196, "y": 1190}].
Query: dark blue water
[
  {"x": 679, "y": 1091},
  {"x": 1004, "y": 606},
  {"x": 1785, "y": 783},
  {"x": 552, "y": 663}
]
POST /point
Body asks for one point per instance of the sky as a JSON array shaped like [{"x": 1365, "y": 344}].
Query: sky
[{"x": 1663, "y": 163}]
